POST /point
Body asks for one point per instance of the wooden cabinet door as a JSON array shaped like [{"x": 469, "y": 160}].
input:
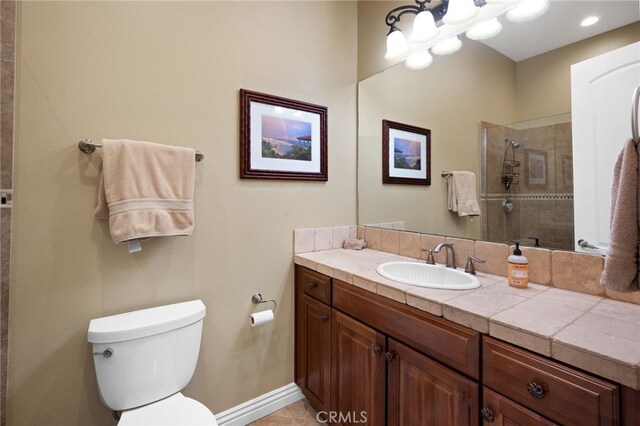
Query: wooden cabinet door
[
  {"x": 505, "y": 412},
  {"x": 423, "y": 392},
  {"x": 358, "y": 388},
  {"x": 313, "y": 351}
]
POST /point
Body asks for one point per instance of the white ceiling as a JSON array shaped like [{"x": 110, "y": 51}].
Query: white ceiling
[{"x": 560, "y": 26}]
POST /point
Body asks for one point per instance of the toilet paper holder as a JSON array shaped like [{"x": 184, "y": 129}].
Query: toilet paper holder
[{"x": 257, "y": 299}]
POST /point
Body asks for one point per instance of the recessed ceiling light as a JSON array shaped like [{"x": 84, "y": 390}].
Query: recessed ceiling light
[{"x": 588, "y": 21}]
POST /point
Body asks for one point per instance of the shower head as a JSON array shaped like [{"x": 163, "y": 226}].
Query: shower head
[{"x": 513, "y": 143}]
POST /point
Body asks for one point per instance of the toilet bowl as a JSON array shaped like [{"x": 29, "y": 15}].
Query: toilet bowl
[{"x": 143, "y": 359}]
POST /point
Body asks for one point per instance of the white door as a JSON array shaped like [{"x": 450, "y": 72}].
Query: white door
[{"x": 601, "y": 95}]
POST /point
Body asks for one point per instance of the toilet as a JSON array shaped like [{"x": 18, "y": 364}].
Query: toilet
[{"x": 143, "y": 359}]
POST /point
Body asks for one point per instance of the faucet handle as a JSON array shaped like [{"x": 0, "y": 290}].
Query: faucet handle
[
  {"x": 469, "y": 268},
  {"x": 430, "y": 259}
]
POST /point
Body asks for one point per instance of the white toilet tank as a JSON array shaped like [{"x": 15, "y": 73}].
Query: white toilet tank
[{"x": 143, "y": 356}]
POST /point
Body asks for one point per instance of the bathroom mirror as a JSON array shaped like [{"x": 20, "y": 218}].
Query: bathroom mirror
[{"x": 474, "y": 102}]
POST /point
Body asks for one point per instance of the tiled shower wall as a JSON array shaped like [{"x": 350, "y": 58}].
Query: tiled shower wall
[
  {"x": 7, "y": 73},
  {"x": 542, "y": 195}
]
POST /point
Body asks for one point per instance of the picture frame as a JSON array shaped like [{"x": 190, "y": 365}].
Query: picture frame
[
  {"x": 282, "y": 138},
  {"x": 406, "y": 154}
]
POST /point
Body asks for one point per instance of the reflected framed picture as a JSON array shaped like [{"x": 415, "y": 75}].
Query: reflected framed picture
[
  {"x": 282, "y": 138},
  {"x": 406, "y": 154}
]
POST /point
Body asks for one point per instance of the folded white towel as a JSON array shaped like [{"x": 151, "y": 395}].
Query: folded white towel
[
  {"x": 462, "y": 197},
  {"x": 146, "y": 189}
]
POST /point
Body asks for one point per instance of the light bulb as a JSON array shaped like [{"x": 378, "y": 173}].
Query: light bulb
[
  {"x": 424, "y": 27},
  {"x": 484, "y": 30},
  {"x": 419, "y": 60},
  {"x": 447, "y": 47},
  {"x": 527, "y": 10},
  {"x": 460, "y": 11},
  {"x": 397, "y": 45}
]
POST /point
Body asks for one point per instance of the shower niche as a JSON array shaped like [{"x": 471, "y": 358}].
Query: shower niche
[{"x": 527, "y": 182}]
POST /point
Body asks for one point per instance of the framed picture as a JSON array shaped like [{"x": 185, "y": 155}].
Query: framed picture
[
  {"x": 536, "y": 167},
  {"x": 406, "y": 154},
  {"x": 282, "y": 138}
]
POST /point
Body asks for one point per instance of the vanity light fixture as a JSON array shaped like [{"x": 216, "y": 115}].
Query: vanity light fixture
[{"x": 436, "y": 27}]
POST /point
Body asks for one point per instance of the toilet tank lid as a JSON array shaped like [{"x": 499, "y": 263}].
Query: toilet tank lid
[{"x": 145, "y": 322}]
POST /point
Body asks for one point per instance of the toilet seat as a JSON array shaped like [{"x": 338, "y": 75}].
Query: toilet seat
[{"x": 176, "y": 410}]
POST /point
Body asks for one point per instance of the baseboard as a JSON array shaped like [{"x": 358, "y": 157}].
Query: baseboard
[{"x": 261, "y": 406}]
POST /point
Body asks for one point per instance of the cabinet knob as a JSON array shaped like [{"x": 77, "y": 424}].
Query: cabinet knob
[
  {"x": 487, "y": 414},
  {"x": 536, "y": 390},
  {"x": 312, "y": 285},
  {"x": 389, "y": 356},
  {"x": 324, "y": 318},
  {"x": 377, "y": 349}
]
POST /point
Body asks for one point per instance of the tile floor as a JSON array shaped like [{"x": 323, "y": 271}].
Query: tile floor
[{"x": 298, "y": 413}]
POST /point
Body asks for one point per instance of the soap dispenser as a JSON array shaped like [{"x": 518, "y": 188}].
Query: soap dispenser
[{"x": 518, "y": 269}]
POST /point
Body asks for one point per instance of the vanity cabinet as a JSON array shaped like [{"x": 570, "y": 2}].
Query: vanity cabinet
[{"x": 359, "y": 352}]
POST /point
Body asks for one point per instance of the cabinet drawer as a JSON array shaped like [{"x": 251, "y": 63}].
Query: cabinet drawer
[
  {"x": 453, "y": 345},
  {"x": 559, "y": 393},
  {"x": 314, "y": 284}
]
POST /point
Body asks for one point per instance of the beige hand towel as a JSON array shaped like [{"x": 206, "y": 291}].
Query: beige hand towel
[
  {"x": 461, "y": 194},
  {"x": 146, "y": 189},
  {"x": 621, "y": 263}
]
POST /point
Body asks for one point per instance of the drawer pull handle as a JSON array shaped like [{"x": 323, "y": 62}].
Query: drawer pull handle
[
  {"x": 487, "y": 414},
  {"x": 389, "y": 356},
  {"x": 311, "y": 286},
  {"x": 377, "y": 349},
  {"x": 536, "y": 390},
  {"x": 324, "y": 318}
]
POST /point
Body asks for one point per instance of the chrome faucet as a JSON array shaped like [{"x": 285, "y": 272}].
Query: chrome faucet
[{"x": 451, "y": 256}]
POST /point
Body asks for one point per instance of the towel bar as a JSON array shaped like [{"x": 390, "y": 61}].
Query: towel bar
[
  {"x": 88, "y": 146},
  {"x": 445, "y": 174}
]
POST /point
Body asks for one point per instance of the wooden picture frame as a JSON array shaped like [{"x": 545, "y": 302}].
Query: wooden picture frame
[
  {"x": 406, "y": 154},
  {"x": 282, "y": 138}
]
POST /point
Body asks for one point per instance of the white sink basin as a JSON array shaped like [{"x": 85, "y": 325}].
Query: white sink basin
[{"x": 425, "y": 275}]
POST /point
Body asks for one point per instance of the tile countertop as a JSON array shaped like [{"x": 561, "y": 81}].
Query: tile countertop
[{"x": 598, "y": 335}]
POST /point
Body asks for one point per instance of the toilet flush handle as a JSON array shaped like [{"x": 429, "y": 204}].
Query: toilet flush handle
[{"x": 106, "y": 353}]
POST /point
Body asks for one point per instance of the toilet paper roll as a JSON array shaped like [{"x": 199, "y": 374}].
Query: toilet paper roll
[{"x": 261, "y": 317}]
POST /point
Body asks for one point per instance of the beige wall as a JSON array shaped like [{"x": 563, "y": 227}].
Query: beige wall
[
  {"x": 544, "y": 81},
  {"x": 450, "y": 98},
  {"x": 167, "y": 72}
]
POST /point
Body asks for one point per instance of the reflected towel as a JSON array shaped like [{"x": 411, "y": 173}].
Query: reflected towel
[
  {"x": 461, "y": 194},
  {"x": 146, "y": 189},
  {"x": 621, "y": 263}
]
